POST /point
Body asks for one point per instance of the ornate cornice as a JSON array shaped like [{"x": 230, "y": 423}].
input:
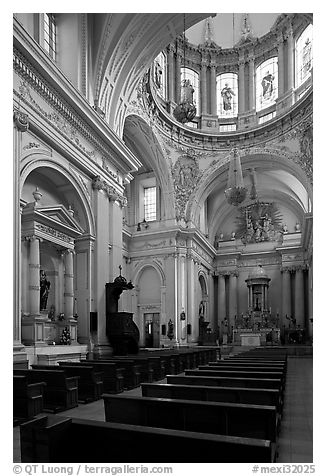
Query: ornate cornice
[{"x": 69, "y": 108}]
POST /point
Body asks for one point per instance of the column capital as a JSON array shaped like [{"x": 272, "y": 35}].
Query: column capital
[
  {"x": 286, "y": 269},
  {"x": 32, "y": 238},
  {"x": 171, "y": 48},
  {"x": 112, "y": 193},
  {"x": 289, "y": 33},
  {"x": 251, "y": 56},
  {"x": 280, "y": 39},
  {"x": 21, "y": 121},
  {"x": 68, "y": 252}
]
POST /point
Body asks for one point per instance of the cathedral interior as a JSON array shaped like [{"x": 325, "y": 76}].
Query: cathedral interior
[{"x": 163, "y": 199}]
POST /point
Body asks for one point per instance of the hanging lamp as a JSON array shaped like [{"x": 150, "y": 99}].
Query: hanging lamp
[
  {"x": 236, "y": 192},
  {"x": 186, "y": 109}
]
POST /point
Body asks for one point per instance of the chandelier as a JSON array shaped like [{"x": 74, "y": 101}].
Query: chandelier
[
  {"x": 186, "y": 109},
  {"x": 236, "y": 191}
]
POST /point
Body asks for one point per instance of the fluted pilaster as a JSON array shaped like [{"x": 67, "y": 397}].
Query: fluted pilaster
[{"x": 34, "y": 275}]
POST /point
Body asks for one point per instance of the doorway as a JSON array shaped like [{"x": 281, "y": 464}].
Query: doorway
[{"x": 152, "y": 329}]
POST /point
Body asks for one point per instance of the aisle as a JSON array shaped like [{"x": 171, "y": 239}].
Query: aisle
[{"x": 296, "y": 437}]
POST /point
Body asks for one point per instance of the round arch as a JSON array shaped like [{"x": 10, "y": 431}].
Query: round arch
[
  {"x": 267, "y": 158},
  {"x": 39, "y": 164},
  {"x": 147, "y": 146},
  {"x": 148, "y": 264}
]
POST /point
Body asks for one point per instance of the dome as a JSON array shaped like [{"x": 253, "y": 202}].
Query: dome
[{"x": 258, "y": 272}]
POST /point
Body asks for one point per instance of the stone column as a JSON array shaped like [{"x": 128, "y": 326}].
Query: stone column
[
  {"x": 192, "y": 317},
  {"x": 21, "y": 124},
  {"x": 290, "y": 58},
  {"x": 102, "y": 262},
  {"x": 280, "y": 49},
  {"x": 34, "y": 276},
  {"x": 182, "y": 307},
  {"x": 286, "y": 294},
  {"x": 299, "y": 297},
  {"x": 203, "y": 87},
  {"x": 252, "y": 96},
  {"x": 69, "y": 284},
  {"x": 241, "y": 87},
  {"x": 171, "y": 83},
  {"x": 178, "y": 78},
  {"x": 213, "y": 89},
  {"x": 233, "y": 297},
  {"x": 221, "y": 304}
]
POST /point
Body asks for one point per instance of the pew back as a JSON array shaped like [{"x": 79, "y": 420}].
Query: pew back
[
  {"x": 235, "y": 419},
  {"x": 72, "y": 440}
]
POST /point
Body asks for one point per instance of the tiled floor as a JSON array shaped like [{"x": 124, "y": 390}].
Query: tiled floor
[{"x": 295, "y": 441}]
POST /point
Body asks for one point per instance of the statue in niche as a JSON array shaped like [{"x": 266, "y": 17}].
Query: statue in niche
[
  {"x": 170, "y": 332},
  {"x": 158, "y": 75},
  {"x": 267, "y": 85},
  {"x": 227, "y": 94},
  {"x": 187, "y": 92},
  {"x": 201, "y": 310},
  {"x": 44, "y": 290},
  {"x": 306, "y": 57}
]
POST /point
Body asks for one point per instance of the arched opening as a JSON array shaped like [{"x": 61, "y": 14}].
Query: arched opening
[
  {"x": 56, "y": 229},
  {"x": 149, "y": 307}
]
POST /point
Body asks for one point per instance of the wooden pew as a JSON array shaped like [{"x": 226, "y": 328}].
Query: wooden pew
[
  {"x": 27, "y": 398},
  {"x": 263, "y": 357},
  {"x": 257, "y": 361},
  {"x": 225, "y": 381},
  {"x": 90, "y": 383},
  {"x": 223, "y": 418},
  {"x": 243, "y": 363},
  {"x": 60, "y": 392},
  {"x": 214, "y": 372},
  {"x": 112, "y": 374},
  {"x": 276, "y": 371},
  {"x": 72, "y": 440},
  {"x": 145, "y": 366},
  {"x": 131, "y": 372},
  {"x": 255, "y": 396}
]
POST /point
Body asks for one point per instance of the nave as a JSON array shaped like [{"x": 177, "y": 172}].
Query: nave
[{"x": 294, "y": 441}]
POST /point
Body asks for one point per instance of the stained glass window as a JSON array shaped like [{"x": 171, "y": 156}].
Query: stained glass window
[
  {"x": 160, "y": 74},
  {"x": 50, "y": 33},
  {"x": 227, "y": 94},
  {"x": 150, "y": 203},
  {"x": 193, "y": 78},
  {"x": 303, "y": 55},
  {"x": 266, "y": 83}
]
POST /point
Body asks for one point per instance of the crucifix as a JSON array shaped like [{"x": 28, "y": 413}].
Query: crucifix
[{"x": 257, "y": 306}]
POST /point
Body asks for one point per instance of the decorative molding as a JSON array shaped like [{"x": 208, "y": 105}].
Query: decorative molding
[
  {"x": 100, "y": 184},
  {"x": 53, "y": 232},
  {"x": 185, "y": 174},
  {"x": 63, "y": 116},
  {"x": 21, "y": 121}
]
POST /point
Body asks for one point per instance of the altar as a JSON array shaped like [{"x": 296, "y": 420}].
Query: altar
[
  {"x": 250, "y": 339},
  {"x": 248, "y": 336}
]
